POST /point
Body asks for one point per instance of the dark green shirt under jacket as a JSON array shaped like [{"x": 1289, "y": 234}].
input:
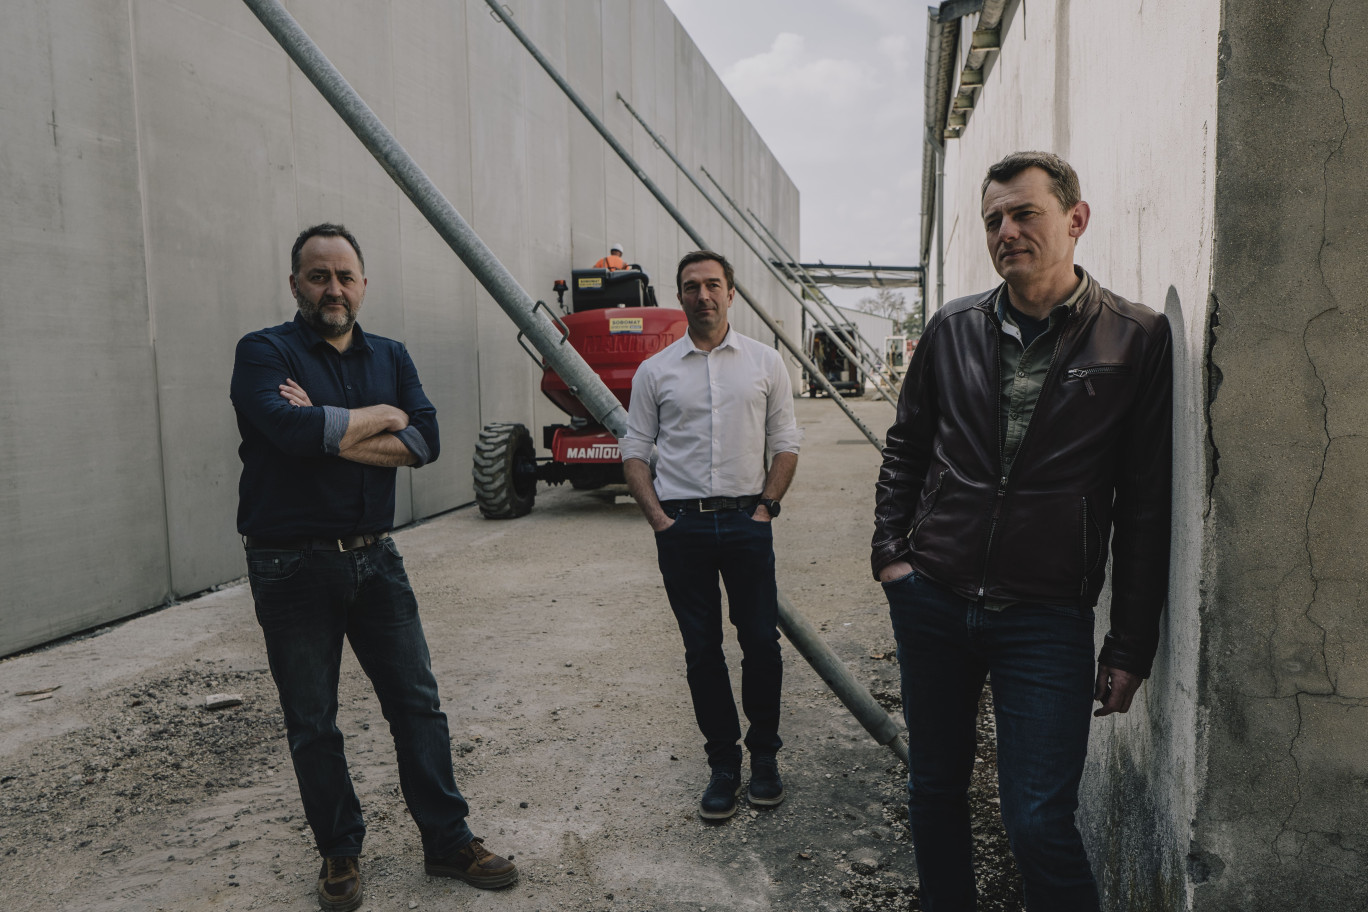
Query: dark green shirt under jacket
[{"x": 1023, "y": 370}]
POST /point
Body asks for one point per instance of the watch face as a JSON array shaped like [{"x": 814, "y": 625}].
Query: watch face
[{"x": 771, "y": 506}]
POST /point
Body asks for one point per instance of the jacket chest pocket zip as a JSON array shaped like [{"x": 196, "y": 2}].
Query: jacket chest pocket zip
[{"x": 1084, "y": 373}]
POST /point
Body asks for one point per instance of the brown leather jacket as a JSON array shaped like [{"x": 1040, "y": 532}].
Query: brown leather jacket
[{"x": 1095, "y": 462}]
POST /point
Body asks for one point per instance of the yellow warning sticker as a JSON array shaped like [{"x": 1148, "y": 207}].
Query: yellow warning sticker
[
  {"x": 590, "y": 283},
  {"x": 625, "y": 324}
]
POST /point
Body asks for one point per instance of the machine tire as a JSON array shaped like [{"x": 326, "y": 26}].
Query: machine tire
[{"x": 505, "y": 471}]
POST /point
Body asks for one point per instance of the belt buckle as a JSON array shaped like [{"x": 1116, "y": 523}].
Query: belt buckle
[
  {"x": 340, "y": 545},
  {"x": 703, "y": 505}
]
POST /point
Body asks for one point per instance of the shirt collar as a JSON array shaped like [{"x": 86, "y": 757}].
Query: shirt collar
[
  {"x": 727, "y": 342},
  {"x": 360, "y": 341},
  {"x": 1063, "y": 307}
]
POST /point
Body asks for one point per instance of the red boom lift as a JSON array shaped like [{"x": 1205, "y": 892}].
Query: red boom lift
[{"x": 614, "y": 323}]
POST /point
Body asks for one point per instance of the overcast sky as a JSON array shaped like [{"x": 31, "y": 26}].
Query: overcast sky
[{"x": 835, "y": 89}]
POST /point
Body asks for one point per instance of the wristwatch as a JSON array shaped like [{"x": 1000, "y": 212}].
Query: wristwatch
[{"x": 771, "y": 505}]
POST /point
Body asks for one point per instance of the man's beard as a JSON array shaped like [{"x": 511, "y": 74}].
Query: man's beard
[{"x": 327, "y": 325}]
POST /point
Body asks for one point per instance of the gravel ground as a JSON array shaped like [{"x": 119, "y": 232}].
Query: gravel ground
[{"x": 573, "y": 738}]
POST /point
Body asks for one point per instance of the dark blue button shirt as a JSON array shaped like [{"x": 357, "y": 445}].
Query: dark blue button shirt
[{"x": 293, "y": 482}]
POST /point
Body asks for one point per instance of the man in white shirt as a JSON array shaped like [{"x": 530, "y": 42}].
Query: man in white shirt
[{"x": 711, "y": 404}]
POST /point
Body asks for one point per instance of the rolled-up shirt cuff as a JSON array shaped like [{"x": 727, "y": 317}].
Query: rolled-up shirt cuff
[
  {"x": 335, "y": 422},
  {"x": 411, "y": 438},
  {"x": 635, "y": 448},
  {"x": 786, "y": 442}
]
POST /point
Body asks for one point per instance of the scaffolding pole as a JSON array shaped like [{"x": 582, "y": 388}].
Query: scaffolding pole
[
  {"x": 812, "y": 283},
  {"x": 817, "y": 295},
  {"x": 807, "y": 308},
  {"x": 507, "y": 18},
  {"x": 538, "y": 327}
]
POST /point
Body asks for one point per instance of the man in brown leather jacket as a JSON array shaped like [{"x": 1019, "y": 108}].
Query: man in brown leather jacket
[{"x": 1034, "y": 424}]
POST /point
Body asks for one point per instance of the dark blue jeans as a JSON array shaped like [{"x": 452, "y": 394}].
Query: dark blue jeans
[
  {"x": 1039, "y": 659},
  {"x": 693, "y": 553},
  {"x": 306, "y": 602}
]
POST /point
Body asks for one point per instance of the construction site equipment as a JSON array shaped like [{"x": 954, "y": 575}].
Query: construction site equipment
[
  {"x": 539, "y": 329},
  {"x": 502, "y": 13},
  {"x": 833, "y": 338},
  {"x": 829, "y": 349},
  {"x": 613, "y": 322}
]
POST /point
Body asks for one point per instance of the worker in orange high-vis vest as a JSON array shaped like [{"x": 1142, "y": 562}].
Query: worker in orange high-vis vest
[{"x": 613, "y": 260}]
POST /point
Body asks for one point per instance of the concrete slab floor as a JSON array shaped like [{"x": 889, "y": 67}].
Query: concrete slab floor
[{"x": 573, "y": 738}]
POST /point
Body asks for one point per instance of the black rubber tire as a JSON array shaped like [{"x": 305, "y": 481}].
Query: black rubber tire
[{"x": 505, "y": 471}]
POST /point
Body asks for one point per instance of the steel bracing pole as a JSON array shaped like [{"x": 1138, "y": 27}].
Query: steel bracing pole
[
  {"x": 879, "y": 368},
  {"x": 540, "y": 330},
  {"x": 520, "y": 307},
  {"x": 804, "y": 281},
  {"x": 678, "y": 216},
  {"x": 812, "y": 283},
  {"x": 840, "y": 344}
]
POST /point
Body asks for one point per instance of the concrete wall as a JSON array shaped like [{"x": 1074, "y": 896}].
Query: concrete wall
[
  {"x": 1282, "y": 820},
  {"x": 156, "y": 161},
  {"x": 1127, "y": 93}
]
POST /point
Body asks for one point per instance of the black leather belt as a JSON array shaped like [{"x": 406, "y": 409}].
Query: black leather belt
[
  {"x": 349, "y": 543},
  {"x": 710, "y": 504}
]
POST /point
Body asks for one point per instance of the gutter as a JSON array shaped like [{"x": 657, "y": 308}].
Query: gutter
[{"x": 946, "y": 117}]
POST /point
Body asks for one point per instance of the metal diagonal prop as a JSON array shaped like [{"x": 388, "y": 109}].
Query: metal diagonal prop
[
  {"x": 808, "y": 308},
  {"x": 804, "y": 281},
  {"x": 523, "y": 310},
  {"x": 809, "y": 287},
  {"x": 678, "y": 216}
]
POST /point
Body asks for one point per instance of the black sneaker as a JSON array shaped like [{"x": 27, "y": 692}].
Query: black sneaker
[
  {"x": 719, "y": 798},
  {"x": 766, "y": 788}
]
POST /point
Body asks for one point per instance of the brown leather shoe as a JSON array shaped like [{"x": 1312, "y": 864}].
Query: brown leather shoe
[
  {"x": 476, "y": 865},
  {"x": 339, "y": 884}
]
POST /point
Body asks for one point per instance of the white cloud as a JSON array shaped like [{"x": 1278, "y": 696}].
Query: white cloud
[
  {"x": 897, "y": 48},
  {"x": 788, "y": 71}
]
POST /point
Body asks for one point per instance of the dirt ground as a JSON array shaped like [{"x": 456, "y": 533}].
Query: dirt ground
[{"x": 562, "y": 675}]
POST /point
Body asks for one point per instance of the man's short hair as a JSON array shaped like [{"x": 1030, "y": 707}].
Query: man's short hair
[
  {"x": 325, "y": 229},
  {"x": 699, "y": 256},
  {"x": 1063, "y": 178}
]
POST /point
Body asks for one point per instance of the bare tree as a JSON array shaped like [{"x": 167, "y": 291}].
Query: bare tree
[{"x": 886, "y": 303}]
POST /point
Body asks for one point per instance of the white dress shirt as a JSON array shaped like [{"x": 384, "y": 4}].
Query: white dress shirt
[{"x": 711, "y": 416}]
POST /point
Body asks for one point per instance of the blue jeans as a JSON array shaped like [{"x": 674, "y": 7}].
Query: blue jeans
[
  {"x": 1039, "y": 659},
  {"x": 306, "y": 602},
  {"x": 693, "y": 552}
]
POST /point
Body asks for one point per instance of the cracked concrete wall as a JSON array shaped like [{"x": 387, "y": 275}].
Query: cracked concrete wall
[
  {"x": 157, "y": 158},
  {"x": 1283, "y": 814}
]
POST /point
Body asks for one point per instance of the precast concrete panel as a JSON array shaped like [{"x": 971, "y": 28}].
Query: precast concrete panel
[
  {"x": 548, "y": 252},
  {"x": 163, "y": 155},
  {"x": 218, "y": 190},
  {"x": 616, "y": 76},
  {"x": 431, "y": 119},
  {"x": 80, "y": 472},
  {"x": 588, "y": 152},
  {"x": 641, "y": 94},
  {"x": 499, "y": 71}
]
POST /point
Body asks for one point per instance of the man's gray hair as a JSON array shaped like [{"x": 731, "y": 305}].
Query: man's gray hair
[{"x": 1063, "y": 178}]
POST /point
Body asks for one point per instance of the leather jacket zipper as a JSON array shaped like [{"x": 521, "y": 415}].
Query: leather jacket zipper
[
  {"x": 1002, "y": 483},
  {"x": 1083, "y": 589},
  {"x": 1083, "y": 373}
]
